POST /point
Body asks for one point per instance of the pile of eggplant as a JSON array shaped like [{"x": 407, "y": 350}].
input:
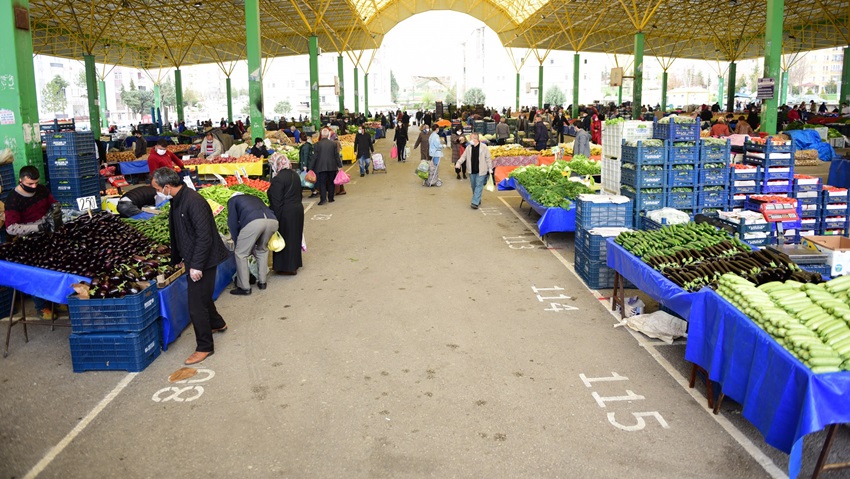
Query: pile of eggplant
[{"x": 116, "y": 256}]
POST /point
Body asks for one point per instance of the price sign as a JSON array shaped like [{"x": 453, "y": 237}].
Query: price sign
[
  {"x": 238, "y": 176},
  {"x": 220, "y": 179},
  {"x": 186, "y": 157},
  {"x": 216, "y": 208},
  {"x": 87, "y": 203}
]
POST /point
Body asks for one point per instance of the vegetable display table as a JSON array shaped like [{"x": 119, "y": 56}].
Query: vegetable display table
[
  {"x": 785, "y": 404},
  {"x": 255, "y": 168},
  {"x": 137, "y": 167},
  {"x": 551, "y": 219},
  {"x": 348, "y": 154},
  {"x": 514, "y": 161}
]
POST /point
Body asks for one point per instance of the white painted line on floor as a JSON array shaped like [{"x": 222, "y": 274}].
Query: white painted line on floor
[
  {"x": 766, "y": 463},
  {"x": 58, "y": 448}
]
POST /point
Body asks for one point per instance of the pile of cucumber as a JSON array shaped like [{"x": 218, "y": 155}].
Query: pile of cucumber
[
  {"x": 673, "y": 238},
  {"x": 812, "y": 321}
]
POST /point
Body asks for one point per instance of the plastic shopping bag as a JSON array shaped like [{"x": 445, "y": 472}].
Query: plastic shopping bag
[
  {"x": 310, "y": 177},
  {"x": 394, "y": 152},
  {"x": 341, "y": 178},
  {"x": 304, "y": 182},
  {"x": 276, "y": 242},
  {"x": 422, "y": 169},
  {"x": 490, "y": 186}
]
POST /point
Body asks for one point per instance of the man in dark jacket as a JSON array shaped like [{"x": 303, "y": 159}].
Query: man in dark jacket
[
  {"x": 134, "y": 200},
  {"x": 196, "y": 243},
  {"x": 326, "y": 162},
  {"x": 363, "y": 149},
  {"x": 541, "y": 134},
  {"x": 140, "y": 149},
  {"x": 251, "y": 224}
]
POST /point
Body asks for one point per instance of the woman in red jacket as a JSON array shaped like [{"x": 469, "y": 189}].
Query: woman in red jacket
[
  {"x": 160, "y": 157},
  {"x": 595, "y": 127}
]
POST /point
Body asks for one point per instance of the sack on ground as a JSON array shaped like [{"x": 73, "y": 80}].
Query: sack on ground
[
  {"x": 311, "y": 177},
  {"x": 304, "y": 182},
  {"x": 394, "y": 152},
  {"x": 341, "y": 178},
  {"x": 422, "y": 169},
  {"x": 659, "y": 325}
]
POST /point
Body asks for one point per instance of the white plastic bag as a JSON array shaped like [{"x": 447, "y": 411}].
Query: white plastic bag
[{"x": 658, "y": 325}]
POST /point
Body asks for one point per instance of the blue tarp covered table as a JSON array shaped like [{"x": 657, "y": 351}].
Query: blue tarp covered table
[
  {"x": 780, "y": 396},
  {"x": 507, "y": 184},
  {"x": 551, "y": 219},
  {"x": 649, "y": 280},
  {"x": 174, "y": 301},
  {"x": 810, "y": 140},
  {"x": 43, "y": 283},
  {"x": 134, "y": 167},
  {"x": 839, "y": 173}
]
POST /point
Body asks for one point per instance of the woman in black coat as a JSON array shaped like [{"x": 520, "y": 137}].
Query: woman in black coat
[
  {"x": 400, "y": 139},
  {"x": 285, "y": 200}
]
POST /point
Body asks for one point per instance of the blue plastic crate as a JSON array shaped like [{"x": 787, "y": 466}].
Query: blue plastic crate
[
  {"x": 648, "y": 224},
  {"x": 833, "y": 209},
  {"x": 590, "y": 214},
  {"x": 769, "y": 147},
  {"x": 715, "y": 153},
  {"x": 810, "y": 213},
  {"x": 709, "y": 211},
  {"x": 676, "y": 131},
  {"x": 130, "y": 313},
  {"x": 743, "y": 190},
  {"x": 823, "y": 269},
  {"x": 682, "y": 154},
  {"x": 5, "y": 301},
  {"x": 641, "y": 178},
  {"x": 643, "y": 155},
  {"x": 774, "y": 173},
  {"x": 69, "y": 144},
  {"x": 834, "y": 196},
  {"x": 713, "y": 176},
  {"x": 682, "y": 178},
  {"x": 70, "y": 201},
  {"x": 759, "y": 242},
  {"x": 749, "y": 174},
  {"x": 131, "y": 352},
  {"x": 645, "y": 201},
  {"x": 775, "y": 187},
  {"x": 735, "y": 204},
  {"x": 595, "y": 247},
  {"x": 834, "y": 232},
  {"x": 681, "y": 200},
  {"x": 815, "y": 186},
  {"x": 810, "y": 224},
  {"x": 596, "y": 274},
  {"x": 809, "y": 200},
  {"x": 68, "y": 168},
  {"x": 770, "y": 162},
  {"x": 833, "y": 223},
  {"x": 713, "y": 199}
]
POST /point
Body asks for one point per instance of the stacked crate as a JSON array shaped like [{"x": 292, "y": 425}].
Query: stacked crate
[
  {"x": 743, "y": 181},
  {"x": 775, "y": 165},
  {"x": 598, "y": 217},
  {"x": 643, "y": 177},
  {"x": 680, "y": 141},
  {"x": 807, "y": 191},
  {"x": 713, "y": 178},
  {"x": 72, "y": 166},
  {"x": 612, "y": 139},
  {"x": 834, "y": 212},
  {"x": 115, "y": 334}
]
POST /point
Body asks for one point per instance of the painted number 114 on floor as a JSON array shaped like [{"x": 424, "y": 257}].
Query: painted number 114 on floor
[{"x": 553, "y": 296}]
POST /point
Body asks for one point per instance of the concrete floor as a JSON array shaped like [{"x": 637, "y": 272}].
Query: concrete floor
[{"x": 412, "y": 344}]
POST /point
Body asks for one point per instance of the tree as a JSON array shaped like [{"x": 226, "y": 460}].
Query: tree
[
  {"x": 427, "y": 100},
  {"x": 831, "y": 87},
  {"x": 80, "y": 81},
  {"x": 451, "y": 95},
  {"x": 474, "y": 96},
  {"x": 283, "y": 107},
  {"x": 554, "y": 96},
  {"x": 53, "y": 95},
  {"x": 246, "y": 108},
  {"x": 137, "y": 101},
  {"x": 191, "y": 97},
  {"x": 393, "y": 88},
  {"x": 168, "y": 94}
]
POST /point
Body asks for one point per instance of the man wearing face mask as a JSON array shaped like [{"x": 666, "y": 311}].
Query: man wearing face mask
[
  {"x": 363, "y": 149},
  {"x": 160, "y": 157},
  {"x": 480, "y": 164},
  {"x": 132, "y": 202}
]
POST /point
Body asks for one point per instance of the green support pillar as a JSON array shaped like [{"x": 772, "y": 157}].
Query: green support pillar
[
  {"x": 638, "y": 83},
  {"x": 845, "y": 77},
  {"x": 663, "y": 91},
  {"x": 356, "y": 92},
  {"x": 620, "y": 95},
  {"x": 576, "y": 63},
  {"x": 229, "y": 100},
  {"x": 783, "y": 88},
  {"x": 366, "y": 94},
  {"x": 772, "y": 59},
  {"x": 340, "y": 74},
  {"x": 101, "y": 90},
  {"x": 730, "y": 96},
  {"x": 178, "y": 93},
  {"x": 313, "y": 47},
  {"x": 517, "y": 91},
  {"x": 540, "y": 86},
  {"x": 91, "y": 91},
  {"x": 255, "y": 68},
  {"x": 157, "y": 105},
  {"x": 20, "y": 131},
  {"x": 720, "y": 92}
]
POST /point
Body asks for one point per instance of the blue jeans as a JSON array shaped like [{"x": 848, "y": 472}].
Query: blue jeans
[
  {"x": 477, "y": 182},
  {"x": 364, "y": 164}
]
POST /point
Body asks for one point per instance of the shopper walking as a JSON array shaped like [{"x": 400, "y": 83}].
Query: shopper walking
[
  {"x": 325, "y": 164},
  {"x": 558, "y": 125},
  {"x": 458, "y": 143},
  {"x": 595, "y": 127},
  {"x": 363, "y": 149},
  {"x": 400, "y": 139},
  {"x": 480, "y": 164},
  {"x": 541, "y": 134},
  {"x": 196, "y": 243},
  {"x": 251, "y": 224},
  {"x": 435, "y": 152},
  {"x": 422, "y": 142},
  {"x": 503, "y": 131},
  {"x": 305, "y": 159},
  {"x": 285, "y": 201}
]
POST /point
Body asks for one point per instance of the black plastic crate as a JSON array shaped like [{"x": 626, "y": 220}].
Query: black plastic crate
[
  {"x": 69, "y": 168},
  {"x": 130, "y": 313},
  {"x": 639, "y": 177},
  {"x": 70, "y": 144},
  {"x": 7, "y": 180},
  {"x": 131, "y": 352},
  {"x": 590, "y": 214}
]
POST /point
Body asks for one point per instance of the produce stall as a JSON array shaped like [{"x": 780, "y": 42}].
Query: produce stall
[
  {"x": 513, "y": 155},
  {"x": 348, "y": 154},
  {"x": 252, "y": 165},
  {"x": 552, "y": 219}
]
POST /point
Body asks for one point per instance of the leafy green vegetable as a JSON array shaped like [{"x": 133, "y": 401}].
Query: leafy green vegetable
[
  {"x": 550, "y": 185},
  {"x": 684, "y": 120},
  {"x": 582, "y": 165},
  {"x": 646, "y": 143},
  {"x": 714, "y": 142}
]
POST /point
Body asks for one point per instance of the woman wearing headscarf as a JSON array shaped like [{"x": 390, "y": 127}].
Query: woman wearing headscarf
[
  {"x": 285, "y": 201},
  {"x": 595, "y": 127},
  {"x": 458, "y": 142}
]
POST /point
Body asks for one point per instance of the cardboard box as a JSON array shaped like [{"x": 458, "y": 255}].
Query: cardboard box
[{"x": 837, "y": 249}]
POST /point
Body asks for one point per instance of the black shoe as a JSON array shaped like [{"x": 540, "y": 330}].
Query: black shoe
[
  {"x": 458, "y": 176},
  {"x": 322, "y": 202},
  {"x": 313, "y": 195},
  {"x": 464, "y": 176},
  {"x": 367, "y": 171},
  {"x": 240, "y": 292},
  {"x": 331, "y": 201},
  {"x": 362, "y": 175},
  {"x": 252, "y": 279},
  {"x": 474, "y": 206},
  {"x": 262, "y": 285}
]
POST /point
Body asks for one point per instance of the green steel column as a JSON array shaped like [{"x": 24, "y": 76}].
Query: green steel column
[
  {"x": 720, "y": 92},
  {"x": 638, "y": 83},
  {"x": 20, "y": 130},
  {"x": 845, "y": 77},
  {"x": 313, "y": 47},
  {"x": 540, "y": 86},
  {"x": 366, "y": 94},
  {"x": 340, "y": 74},
  {"x": 91, "y": 91},
  {"x": 620, "y": 95},
  {"x": 229, "y": 100},
  {"x": 157, "y": 106},
  {"x": 663, "y": 91},
  {"x": 101, "y": 90},
  {"x": 576, "y": 63},
  {"x": 783, "y": 88},
  {"x": 772, "y": 59},
  {"x": 178, "y": 93},
  {"x": 730, "y": 96},
  {"x": 255, "y": 68},
  {"x": 356, "y": 92},
  {"x": 517, "y": 91}
]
